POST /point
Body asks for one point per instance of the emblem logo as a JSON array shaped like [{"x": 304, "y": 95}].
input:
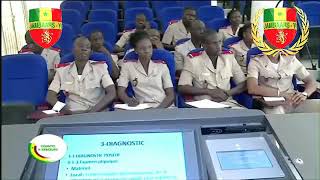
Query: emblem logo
[
  {"x": 45, "y": 26},
  {"x": 280, "y": 30}
]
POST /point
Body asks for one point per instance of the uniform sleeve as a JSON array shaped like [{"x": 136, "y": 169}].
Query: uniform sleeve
[
  {"x": 253, "y": 70},
  {"x": 179, "y": 59},
  {"x": 221, "y": 35},
  {"x": 105, "y": 78},
  {"x": 237, "y": 73},
  {"x": 123, "y": 39},
  {"x": 124, "y": 76},
  {"x": 166, "y": 78},
  {"x": 186, "y": 76},
  {"x": 56, "y": 83},
  {"x": 300, "y": 70},
  {"x": 168, "y": 35},
  {"x": 56, "y": 60}
]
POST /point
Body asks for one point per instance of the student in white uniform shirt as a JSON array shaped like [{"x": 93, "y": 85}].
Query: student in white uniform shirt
[
  {"x": 241, "y": 47},
  {"x": 141, "y": 24},
  {"x": 179, "y": 29},
  {"x": 150, "y": 79},
  {"x": 182, "y": 50},
  {"x": 235, "y": 18},
  {"x": 51, "y": 55}
]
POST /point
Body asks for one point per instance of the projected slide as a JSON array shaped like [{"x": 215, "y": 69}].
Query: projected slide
[{"x": 148, "y": 156}]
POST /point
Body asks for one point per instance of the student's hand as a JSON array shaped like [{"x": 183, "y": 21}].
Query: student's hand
[
  {"x": 298, "y": 98},
  {"x": 218, "y": 95},
  {"x": 133, "y": 102}
]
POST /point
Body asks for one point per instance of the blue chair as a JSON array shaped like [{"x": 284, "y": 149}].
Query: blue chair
[
  {"x": 113, "y": 5},
  {"x": 216, "y": 24},
  {"x": 208, "y": 13},
  {"x": 107, "y": 28},
  {"x": 72, "y": 17},
  {"x": 312, "y": 9},
  {"x": 169, "y": 14},
  {"x": 158, "y": 54},
  {"x": 135, "y": 4},
  {"x": 75, "y": 5},
  {"x": 157, "y": 6},
  {"x": 102, "y": 15},
  {"x": 24, "y": 79},
  {"x": 66, "y": 40},
  {"x": 195, "y": 4},
  {"x": 230, "y": 41},
  {"x": 131, "y": 25},
  {"x": 130, "y": 14}
]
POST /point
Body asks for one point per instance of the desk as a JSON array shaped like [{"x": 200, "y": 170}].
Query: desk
[{"x": 300, "y": 135}]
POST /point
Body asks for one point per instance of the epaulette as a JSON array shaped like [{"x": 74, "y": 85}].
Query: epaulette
[
  {"x": 130, "y": 60},
  {"x": 128, "y": 30},
  {"x": 159, "y": 61},
  {"x": 55, "y": 49},
  {"x": 62, "y": 65},
  {"x": 227, "y": 51},
  {"x": 97, "y": 62},
  {"x": 182, "y": 41},
  {"x": 173, "y": 21},
  {"x": 196, "y": 52}
]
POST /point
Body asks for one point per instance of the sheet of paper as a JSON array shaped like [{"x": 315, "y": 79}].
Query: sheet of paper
[
  {"x": 58, "y": 106},
  {"x": 50, "y": 111},
  {"x": 206, "y": 103},
  {"x": 270, "y": 99},
  {"x": 126, "y": 107}
]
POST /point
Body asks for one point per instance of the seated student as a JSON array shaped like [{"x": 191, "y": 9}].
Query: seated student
[
  {"x": 272, "y": 76},
  {"x": 179, "y": 29},
  {"x": 141, "y": 24},
  {"x": 207, "y": 72},
  {"x": 97, "y": 45},
  {"x": 182, "y": 50},
  {"x": 155, "y": 38},
  {"x": 87, "y": 84},
  {"x": 234, "y": 16},
  {"x": 241, "y": 47},
  {"x": 150, "y": 79},
  {"x": 51, "y": 55}
]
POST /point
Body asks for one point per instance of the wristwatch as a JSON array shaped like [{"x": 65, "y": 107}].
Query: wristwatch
[{"x": 305, "y": 94}]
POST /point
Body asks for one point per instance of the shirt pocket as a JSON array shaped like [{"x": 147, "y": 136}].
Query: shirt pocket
[
  {"x": 91, "y": 84},
  {"x": 67, "y": 86}
]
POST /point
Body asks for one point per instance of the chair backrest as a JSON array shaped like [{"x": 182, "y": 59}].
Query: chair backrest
[
  {"x": 157, "y": 6},
  {"x": 113, "y": 5},
  {"x": 158, "y": 54},
  {"x": 135, "y": 4},
  {"x": 195, "y": 4},
  {"x": 102, "y": 15},
  {"x": 312, "y": 9},
  {"x": 169, "y": 14},
  {"x": 66, "y": 40},
  {"x": 130, "y": 14},
  {"x": 208, "y": 13},
  {"x": 131, "y": 25},
  {"x": 107, "y": 28},
  {"x": 94, "y": 56},
  {"x": 72, "y": 17},
  {"x": 76, "y": 5},
  {"x": 24, "y": 79},
  {"x": 216, "y": 24},
  {"x": 230, "y": 41}
]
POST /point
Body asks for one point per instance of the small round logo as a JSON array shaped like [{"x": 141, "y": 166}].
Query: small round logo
[{"x": 47, "y": 148}]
